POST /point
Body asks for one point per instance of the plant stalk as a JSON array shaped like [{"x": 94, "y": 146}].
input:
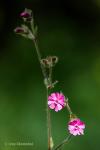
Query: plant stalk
[
  {"x": 47, "y": 109},
  {"x": 48, "y": 124},
  {"x": 65, "y": 141},
  {"x": 39, "y": 58}
]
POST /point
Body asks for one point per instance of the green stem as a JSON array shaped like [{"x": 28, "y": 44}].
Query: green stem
[
  {"x": 48, "y": 112},
  {"x": 32, "y": 25},
  {"x": 50, "y": 74},
  {"x": 48, "y": 125},
  {"x": 37, "y": 50},
  {"x": 39, "y": 58},
  {"x": 65, "y": 141},
  {"x": 68, "y": 107}
]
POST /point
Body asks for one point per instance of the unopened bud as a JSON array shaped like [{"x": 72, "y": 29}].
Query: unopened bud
[
  {"x": 26, "y": 15},
  {"x": 19, "y": 30},
  {"x": 25, "y": 32}
]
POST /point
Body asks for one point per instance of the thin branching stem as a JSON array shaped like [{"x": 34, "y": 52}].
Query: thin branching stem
[
  {"x": 65, "y": 141},
  {"x": 68, "y": 107}
]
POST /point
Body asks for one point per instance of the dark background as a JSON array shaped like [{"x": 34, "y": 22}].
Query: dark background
[{"x": 70, "y": 30}]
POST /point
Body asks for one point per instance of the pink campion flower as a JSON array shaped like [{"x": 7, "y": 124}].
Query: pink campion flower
[
  {"x": 76, "y": 127},
  {"x": 56, "y": 101}
]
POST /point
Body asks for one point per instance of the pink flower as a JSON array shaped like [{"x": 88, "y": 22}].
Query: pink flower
[
  {"x": 56, "y": 101},
  {"x": 76, "y": 127}
]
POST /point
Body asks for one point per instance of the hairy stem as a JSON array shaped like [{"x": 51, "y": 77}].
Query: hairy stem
[
  {"x": 39, "y": 58},
  {"x": 48, "y": 112},
  {"x": 65, "y": 141},
  {"x": 50, "y": 74}
]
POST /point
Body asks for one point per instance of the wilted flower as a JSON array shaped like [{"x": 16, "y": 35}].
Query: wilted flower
[
  {"x": 76, "y": 127},
  {"x": 56, "y": 101},
  {"x": 49, "y": 61}
]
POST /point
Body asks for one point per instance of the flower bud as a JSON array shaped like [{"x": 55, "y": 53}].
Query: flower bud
[
  {"x": 26, "y": 15},
  {"x": 19, "y": 30},
  {"x": 22, "y": 30},
  {"x": 25, "y": 32}
]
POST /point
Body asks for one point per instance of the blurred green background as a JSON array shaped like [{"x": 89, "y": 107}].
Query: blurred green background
[{"x": 70, "y": 30}]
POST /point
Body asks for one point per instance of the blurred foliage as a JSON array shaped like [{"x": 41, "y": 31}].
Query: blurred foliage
[{"x": 72, "y": 32}]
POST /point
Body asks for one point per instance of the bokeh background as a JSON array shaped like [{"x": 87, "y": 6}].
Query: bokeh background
[{"x": 70, "y": 30}]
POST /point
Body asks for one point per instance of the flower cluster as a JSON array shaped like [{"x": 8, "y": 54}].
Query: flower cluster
[
  {"x": 24, "y": 30},
  {"x": 57, "y": 102}
]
